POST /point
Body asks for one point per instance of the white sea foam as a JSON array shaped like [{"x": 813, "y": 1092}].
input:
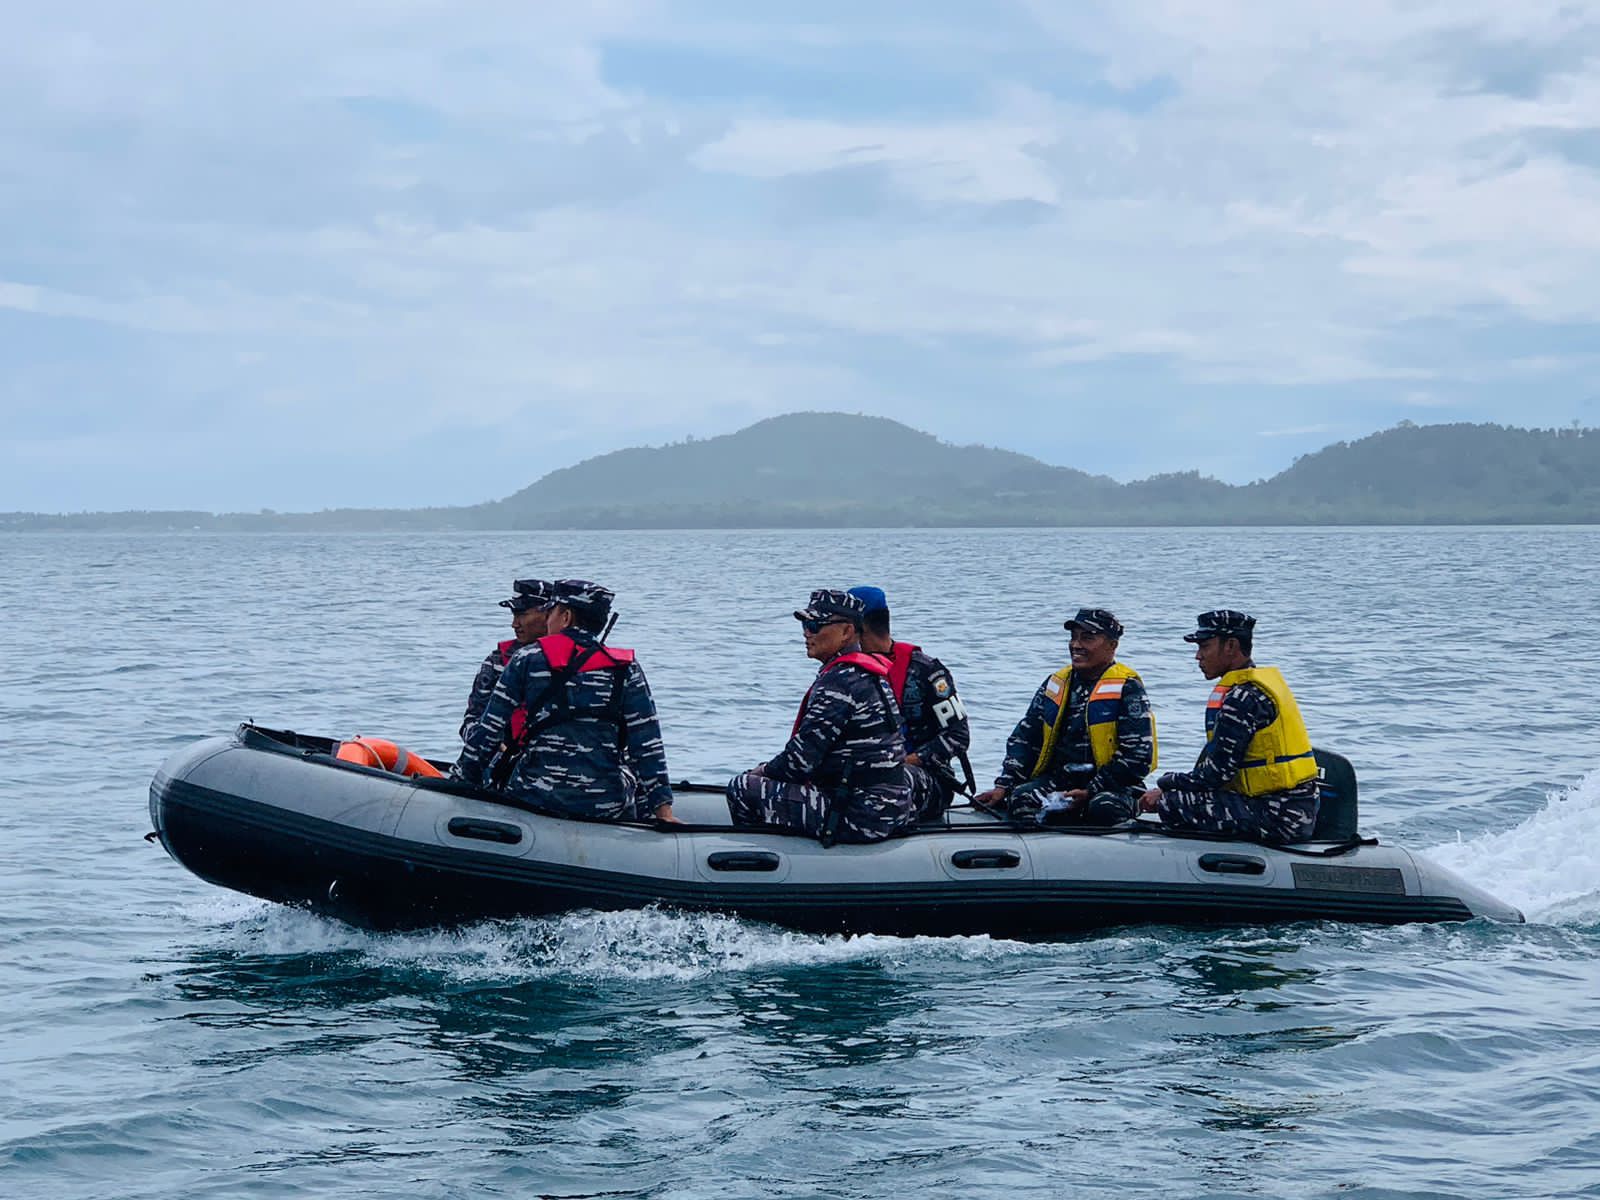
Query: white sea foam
[
  {"x": 639, "y": 944},
  {"x": 1549, "y": 866}
]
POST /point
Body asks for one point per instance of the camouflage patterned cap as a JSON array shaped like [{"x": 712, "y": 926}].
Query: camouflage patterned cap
[
  {"x": 1221, "y": 622},
  {"x": 1095, "y": 620},
  {"x": 828, "y": 604},
  {"x": 584, "y": 596},
  {"x": 530, "y": 593}
]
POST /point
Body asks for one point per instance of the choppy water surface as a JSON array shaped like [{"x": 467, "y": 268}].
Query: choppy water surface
[{"x": 166, "y": 1039}]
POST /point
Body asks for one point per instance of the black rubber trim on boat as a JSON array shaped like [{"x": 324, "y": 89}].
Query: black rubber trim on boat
[
  {"x": 1233, "y": 864},
  {"x": 985, "y": 860},
  {"x": 485, "y": 831},
  {"x": 743, "y": 860}
]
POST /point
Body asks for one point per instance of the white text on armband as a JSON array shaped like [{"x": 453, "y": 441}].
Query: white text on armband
[{"x": 949, "y": 710}]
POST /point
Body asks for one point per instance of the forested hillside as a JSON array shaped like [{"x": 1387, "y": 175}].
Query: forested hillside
[{"x": 834, "y": 468}]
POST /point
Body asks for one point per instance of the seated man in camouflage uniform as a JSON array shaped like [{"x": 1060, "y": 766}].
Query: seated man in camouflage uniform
[
  {"x": 1257, "y": 776},
  {"x": 936, "y": 729},
  {"x": 1082, "y": 750},
  {"x": 529, "y": 607},
  {"x": 842, "y": 776},
  {"x": 590, "y": 744}
]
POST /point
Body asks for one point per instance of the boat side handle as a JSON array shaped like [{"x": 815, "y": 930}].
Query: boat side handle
[
  {"x": 742, "y": 860},
  {"x": 1233, "y": 864},
  {"x": 990, "y": 860},
  {"x": 484, "y": 831}
]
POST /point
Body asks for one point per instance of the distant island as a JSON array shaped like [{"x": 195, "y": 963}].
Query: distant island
[{"x": 837, "y": 469}]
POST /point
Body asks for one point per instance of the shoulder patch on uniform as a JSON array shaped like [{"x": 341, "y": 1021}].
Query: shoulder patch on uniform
[
  {"x": 941, "y": 685},
  {"x": 1053, "y": 686}
]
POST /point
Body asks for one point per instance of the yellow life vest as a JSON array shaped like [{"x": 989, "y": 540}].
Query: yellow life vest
[
  {"x": 1105, "y": 703},
  {"x": 1279, "y": 756}
]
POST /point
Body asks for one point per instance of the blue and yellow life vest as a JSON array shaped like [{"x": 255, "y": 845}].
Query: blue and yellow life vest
[
  {"x": 1105, "y": 705},
  {"x": 1279, "y": 756}
]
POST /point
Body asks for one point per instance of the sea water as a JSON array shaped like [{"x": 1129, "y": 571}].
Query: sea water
[{"x": 163, "y": 1038}]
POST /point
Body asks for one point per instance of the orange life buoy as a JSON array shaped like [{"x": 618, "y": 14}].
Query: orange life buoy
[{"x": 386, "y": 756}]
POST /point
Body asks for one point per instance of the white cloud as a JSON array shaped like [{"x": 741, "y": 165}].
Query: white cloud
[
  {"x": 964, "y": 163},
  {"x": 385, "y": 217}
]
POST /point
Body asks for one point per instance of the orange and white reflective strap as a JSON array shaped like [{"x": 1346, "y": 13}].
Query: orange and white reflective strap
[{"x": 1107, "y": 689}]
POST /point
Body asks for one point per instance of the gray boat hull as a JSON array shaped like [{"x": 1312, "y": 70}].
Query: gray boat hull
[{"x": 280, "y": 819}]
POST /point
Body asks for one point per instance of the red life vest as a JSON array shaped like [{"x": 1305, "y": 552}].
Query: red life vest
[
  {"x": 876, "y": 664},
  {"x": 559, "y": 650},
  {"x": 519, "y": 718},
  {"x": 899, "y": 667}
]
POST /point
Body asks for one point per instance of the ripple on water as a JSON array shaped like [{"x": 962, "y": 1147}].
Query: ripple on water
[{"x": 164, "y": 1040}]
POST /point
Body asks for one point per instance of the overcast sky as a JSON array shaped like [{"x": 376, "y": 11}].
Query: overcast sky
[{"x": 398, "y": 252}]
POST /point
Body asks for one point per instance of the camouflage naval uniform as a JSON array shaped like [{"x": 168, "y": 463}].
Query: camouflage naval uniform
[
  {"x": 842, "y": 776},
  {"x": 935, "y": 721},
  {"x": 530, "y": 593},
  {"x": 1201, "y": 800},
  {"x": 1113, "y": 789},
  {"x": 608, "y": 763},
  {"x": 936, "y": 731},
  {"x": 483, "y": 687}
]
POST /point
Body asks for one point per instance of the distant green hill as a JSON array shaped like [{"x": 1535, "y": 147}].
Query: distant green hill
[
  {"x": 1465, "y": 474},
  {"x": 800, "y": 468},
  {"x": 834, "y": 468}
]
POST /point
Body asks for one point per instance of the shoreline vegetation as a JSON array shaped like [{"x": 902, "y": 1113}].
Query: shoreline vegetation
[{"x": 806, "y": 470}]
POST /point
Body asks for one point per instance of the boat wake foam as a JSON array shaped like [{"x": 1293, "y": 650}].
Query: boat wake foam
[
  {"x": 1549, "y": 866},
  {"x": 647, "y": 944}
]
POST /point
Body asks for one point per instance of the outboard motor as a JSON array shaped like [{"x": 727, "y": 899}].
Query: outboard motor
[{"x": 1336, "y": 798}]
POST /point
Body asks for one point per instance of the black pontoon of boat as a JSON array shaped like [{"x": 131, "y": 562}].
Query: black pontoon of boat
[{"x": 274, "y": 814}]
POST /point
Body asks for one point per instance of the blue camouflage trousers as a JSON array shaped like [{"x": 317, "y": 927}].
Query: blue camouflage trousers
[
  {"x": 930, "y": 792},
  {"x": 868, "y": 815},
  {"x": 1279, "y": 817},
  {"x": 1035, "y": 801}
]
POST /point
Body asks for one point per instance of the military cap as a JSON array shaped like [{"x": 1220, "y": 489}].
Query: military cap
[
  {"x": 829, "y": 605},
  {"x": 1095, "y": 620},
  {"x": 530, "y": 593},
  {"x": 871, "y": 597},
  {"x": 1221, "y": 622},
  {"x": 584, "y": 596}
]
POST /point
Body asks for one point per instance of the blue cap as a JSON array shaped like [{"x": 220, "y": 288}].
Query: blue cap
[{"x": 872, "y": 597}]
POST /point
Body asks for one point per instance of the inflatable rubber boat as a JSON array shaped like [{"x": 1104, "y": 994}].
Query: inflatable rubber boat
[{"x": 277, "y": 815}]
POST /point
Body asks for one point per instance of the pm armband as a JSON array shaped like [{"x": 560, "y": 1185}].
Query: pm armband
[{"x": 948, "y": 710}]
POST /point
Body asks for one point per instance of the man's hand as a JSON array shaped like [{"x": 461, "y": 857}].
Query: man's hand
[
  {"x": 1148, "y": 801},
  {"x": 664, "y": 814},
  {"x": 993, "y": 798},
  {"x": 913, "y": 760}
]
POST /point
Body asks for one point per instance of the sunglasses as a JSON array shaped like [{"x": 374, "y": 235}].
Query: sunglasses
[{"x": 819, "y": 626}]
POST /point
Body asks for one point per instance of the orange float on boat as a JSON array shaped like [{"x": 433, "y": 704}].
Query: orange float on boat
[{"x": 386, "y": 756}]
